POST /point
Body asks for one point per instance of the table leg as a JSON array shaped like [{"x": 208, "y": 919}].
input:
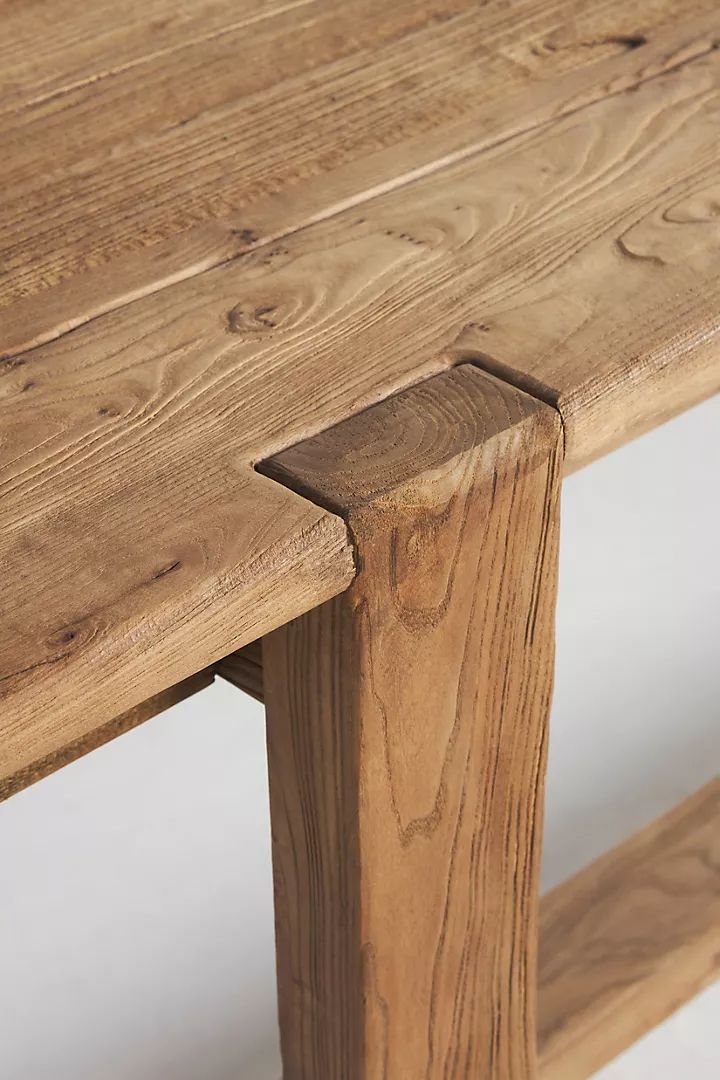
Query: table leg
[{"x": 407, "y": 731}]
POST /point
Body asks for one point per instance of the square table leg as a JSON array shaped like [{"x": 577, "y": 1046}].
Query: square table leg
[{"x": 407, "y": 733}]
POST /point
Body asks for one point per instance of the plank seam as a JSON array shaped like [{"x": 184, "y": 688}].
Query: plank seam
[
  {"x": 100, "y": 76},
  {"x": 392, "y": 185}
]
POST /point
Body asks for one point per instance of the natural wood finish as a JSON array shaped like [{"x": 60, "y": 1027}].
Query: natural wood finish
[
  {"x": 244, "y": 669},
  {"x": 629, "y": 939},
  {"x": 575, "y": 255},
  {"x": 174, "y": 598},
  {"x": 192, "y": 280},
  {"x": 175, "y": 132},
  {"x": 624, "y": 942},
  {"x": 14, "y": 783},
  {"x": 406, "y": 741}
]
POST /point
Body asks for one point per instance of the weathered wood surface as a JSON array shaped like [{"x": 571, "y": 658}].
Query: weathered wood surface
[
  {"x": 630, "y": 939},
  {"x": 624, "y": 942},
  {"x": 576, "y": 254},
  {"x": 406, "y": 741},
  {"x": 143, "y": 143},
  {"x": 244, "y": 669},
  {"x": 96, "y": 622},
  {"x": 30, "y": 774}
]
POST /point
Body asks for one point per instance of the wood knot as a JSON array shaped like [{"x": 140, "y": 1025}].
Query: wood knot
[
  {"x": 247, "y": 320},
  {"x": 67, "y": 635}
]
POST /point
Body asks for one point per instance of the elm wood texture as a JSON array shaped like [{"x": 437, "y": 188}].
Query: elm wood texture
[
  {"x": 49, "y": 49},
  {"x": 145, "y": 423},
  {"x": 244, "y": 669},
  {"x": 624, "y": 942},
  {"x": 137, "y": 545},
  {"x": 172, "y": 595},
  {"x": 629, "y": 939},
  {"x": 176, "y": 131},
  {"x": 12, "y": 784},
  {"x": 87, "y": 47},
  {"x": 406, "y": 725}
]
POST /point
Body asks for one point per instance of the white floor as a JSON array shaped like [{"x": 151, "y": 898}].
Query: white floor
[{"x": 136, "y": 938}]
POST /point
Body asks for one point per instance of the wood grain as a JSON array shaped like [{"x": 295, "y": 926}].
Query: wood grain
[
  {"x": 244, "y": 669},
  {"x": 174, "y": 131},
  {"x": 30, "y": 774},
  {"x": 97, "y": 644},
  {"x": 406, "y": 740},
  {"x": 579, "y": 260},
  {"x": 624, "y": 942},
  {"x": 629, "y": 939}
]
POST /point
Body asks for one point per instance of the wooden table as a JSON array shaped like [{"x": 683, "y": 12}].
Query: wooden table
[{"x": 305, "y": 308}]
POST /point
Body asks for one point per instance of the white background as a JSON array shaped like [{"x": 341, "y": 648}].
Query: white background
[{"x": 136, "y": 938}]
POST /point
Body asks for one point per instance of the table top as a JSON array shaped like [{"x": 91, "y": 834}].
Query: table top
[{"x": 226, "y": 226}]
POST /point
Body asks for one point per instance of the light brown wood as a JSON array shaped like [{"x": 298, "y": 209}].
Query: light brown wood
[
  {"x": 97, "y": 645},
  {"x": 236, "y": 226},
  {"x": 11, "y": 785},
  {"x": 575, "y": 255},
  {"x": 629, "y": 939},
  {"x": 406, "y": 741},
  {"x": 624, "y": 942},
  {"x": 175, "y": 131},
  {"x": 128, "y": 444},
  {"x": 244, "y": 669}
]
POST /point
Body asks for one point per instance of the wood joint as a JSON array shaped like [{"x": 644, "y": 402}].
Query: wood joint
[{"x": 406, "y": 724}]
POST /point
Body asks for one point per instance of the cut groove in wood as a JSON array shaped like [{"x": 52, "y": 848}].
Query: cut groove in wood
[
  {"x": 577, "y": 250},
  {"x": 146, "y": 423},
  {"x": 406, "y": 724},
  {"x": 629, "y": 939},
  {"x": 11, "y": 785}
]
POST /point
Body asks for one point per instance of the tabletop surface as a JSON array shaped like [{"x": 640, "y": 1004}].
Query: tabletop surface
[{"x": 226, "y": 226}]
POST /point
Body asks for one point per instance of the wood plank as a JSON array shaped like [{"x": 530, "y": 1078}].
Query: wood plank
[
  {"x": 128, "y": 445},
  {"x": 48, "y": 49},
  {"x": 244, "y": 669},
  {"x": 169, "y": 601},
  {"x": 406, "y": 741},
  {"x": 30, "y": 774},
  {"x": 181, "y": 157},
  {"x": 630, "y": 938}
]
